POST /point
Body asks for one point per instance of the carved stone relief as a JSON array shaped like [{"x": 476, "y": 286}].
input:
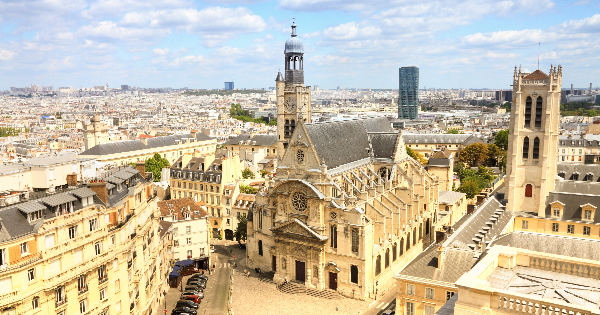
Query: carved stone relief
[{"x": 283, "y": 263}]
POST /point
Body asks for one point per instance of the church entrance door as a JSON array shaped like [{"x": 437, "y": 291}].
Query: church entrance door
[
  {"x": 333, "y": 281},
  {"x": 300, "y": 271}
]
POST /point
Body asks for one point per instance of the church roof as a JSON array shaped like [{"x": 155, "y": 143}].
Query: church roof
[
  {"x": 294, "y": 44},
  {"x": 383, "y": 144},
  {"x": 536, "y": 75},
  {"x": 137, "y": 145}
]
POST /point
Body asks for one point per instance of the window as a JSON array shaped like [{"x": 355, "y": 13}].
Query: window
[
  {"x": 586, "y": 230},
  {"x": 401, "y": 247},
  {"x": 31, "y": 274},
  {"x": 35, "y": 303},
  {"x": 24, "y": 248},
  {"x": 82, "y": 284},
  {"x": 554, "y": 227},
  {"x": 228, "y": 222},
  {"x": 83, "y": 306},
  {"x": 354, "y": 274},
  {"x": 526, "y": 148},
  {"x": 538, "y": 112},
  {"x": 378, "y": 265},
  {"x": 528, "y": 112},
  {"x": 387, "y": 258},
  {"x": 175, "y": 243},
  {"x": 587, "y": 214},
  {"x": 260, "y": 248},
  {"x": 449, "y": 295},
  {"x": 113, "y": 240},
  {"x": 102, "y": 272},
  {"x": 525, "y": 225},
  {"x": 93, "y": 224},
  {"x": 118, "y": 306},
  {"x": 189, "y": 253},
  {"x": 98, "y": 248},
  {"x": 536, "y": 148},
  {"x": 102, "y": 294},
  {"x": 117, "y": 285},
  {"x": 394, "y": 251},
  {"x": 188, "y": 240},
  {"x": 429, "y": 310},
  {"x": 570, "y": 229},
  {"x": 333, "y": 232},
  {"x": 3, "y": 258},
  {"x": 556, "y": 212},
  {"x": 528, "y": 190},
  {"x": 429, "y": 293},
  {"x": 60, "y": 295},
  {"x": 188, "y": 216},
  {"x": 188, "y": 229},
  {"x": 410, "y": 308},
  {"x": 410, "y": 289},
  {"x": 50, "y": 173},
  {"x": 355, "y": 241}
]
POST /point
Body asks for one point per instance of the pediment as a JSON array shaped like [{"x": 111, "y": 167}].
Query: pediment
[{"x": 296, "y": 227}]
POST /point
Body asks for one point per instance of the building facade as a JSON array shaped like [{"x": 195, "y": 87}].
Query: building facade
[
  {"x": 408, "y": 94},
  {"x": 91, "y": 250}
]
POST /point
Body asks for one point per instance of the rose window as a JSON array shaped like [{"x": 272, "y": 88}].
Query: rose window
[{"x": 299, "y": 201}]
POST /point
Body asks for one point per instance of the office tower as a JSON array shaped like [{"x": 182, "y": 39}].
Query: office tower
[
  {"x": 229, "y": 86},
  {"x": 408, "y": 94}
]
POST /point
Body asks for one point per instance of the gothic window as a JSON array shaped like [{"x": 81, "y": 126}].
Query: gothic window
[
  {"x": 401, "y": 247},
  {"x": 333, "y": 232},
  {"x": 427, "y": 227},
  {"x": 528, "y": 190},
  {"x": 407, "y": 241},
  {"x": 526, "y": 148},
  {"x": 536, "y": 148},
  {"x": 299, "y": 201},
  {"x": 528, "y": 112},
  {"x": 355, "y": 241},
  {"x": 300, "y": 156},
  {"x": 414, "y": 237},
  {"x": 394, "y": 251},
  {"x": 260, "y": 248},
  {"x": 387, "y": 258},
  {"x": 378, "y": 265},
  {"x": 354, "y": 274},
  {"x": 538, "y": 112},
  {"x": 384, "y": 173}
]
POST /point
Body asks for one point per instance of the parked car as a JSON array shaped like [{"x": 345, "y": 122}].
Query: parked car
[
  {"x": 192, "y": 293},
  {"x": 199, "y": 276},
  {"x": 183, "y": 310},
  {"x": 196, "y": 280},
  {"x": 194, "y": 288},
  {"x": 186, "y": 303},
  {"x": 193, "y": 298},
  {"x": 200, "y": 284},
  {"x": 389, "y": 312}
]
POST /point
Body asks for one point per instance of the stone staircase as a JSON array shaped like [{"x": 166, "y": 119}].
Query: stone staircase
[
  {"x": 296, "y": 288},
  {"x": 267, "y": 277}
]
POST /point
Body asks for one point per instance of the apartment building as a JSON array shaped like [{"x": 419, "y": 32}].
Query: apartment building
[
  {"x": 579, "y": 149},
  {"x": 91, "y": 250},
  {"x": 427, "y": 144},
  {"x": 190, "y": 226},
  {"x": 203, "y": 178}
]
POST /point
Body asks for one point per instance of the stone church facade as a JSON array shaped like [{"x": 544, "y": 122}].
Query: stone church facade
[{"x": 348, "y": 207}]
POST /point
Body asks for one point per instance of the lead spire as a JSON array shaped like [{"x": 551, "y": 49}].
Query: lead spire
[{"x": 294, "y": 29}]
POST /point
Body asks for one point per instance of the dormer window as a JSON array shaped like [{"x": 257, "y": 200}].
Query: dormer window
[
  {"x": 174, "y": 217},
  {"x": 588, "y": 212},
  {"x": 557, "y": 209},
  {"x": 119, "y": 187},
  {"x": 187, "y": 216},
  {"x": 36, "y": 215}
]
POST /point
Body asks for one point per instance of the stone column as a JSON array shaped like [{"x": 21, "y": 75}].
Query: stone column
[{"x": 321, "y": 270}]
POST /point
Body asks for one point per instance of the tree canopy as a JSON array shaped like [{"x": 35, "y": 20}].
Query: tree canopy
[
  {"x": 245, "y": 189},
  {"x": 501, "y": 139},
  {"x": 416, "y": 155},
  {"x": 248, "y": 173},
  {"x": 474, "y": 154},
  {"x": 155, "y": 165},
  {"x": 241, "y": 231}
]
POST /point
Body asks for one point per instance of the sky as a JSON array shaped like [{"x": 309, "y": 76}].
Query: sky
[{"x": 347, "y": 43}]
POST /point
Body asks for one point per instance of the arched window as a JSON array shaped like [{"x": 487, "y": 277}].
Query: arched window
[
  {"x": 394, "y": 251},
  {"x": 526, "y": 148},
  {"x": 378, "y": 265},
  {"x": 401, "y": 247},
  {"x": 354, "y": 274},
  {"x": 427, "y": 227},
  {"x": 260, "y": 250},
  {"x": 387, "y": 258},
  {"x": 528, "y": 190},
  {"x": 536, "y": 148},
  {"x": 414, "y": 237},
  {"x": 407, "y": 241},
  {"x": 538, "y": 112},
  {"x": 421, "y": 231},
  {"x": 528, "y": 112}
]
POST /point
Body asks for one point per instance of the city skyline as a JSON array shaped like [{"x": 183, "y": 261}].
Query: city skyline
[{"x": 347, "y": 43}]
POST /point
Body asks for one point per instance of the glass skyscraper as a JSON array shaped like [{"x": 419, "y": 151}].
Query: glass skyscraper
[{"x": 408, "y": 94}]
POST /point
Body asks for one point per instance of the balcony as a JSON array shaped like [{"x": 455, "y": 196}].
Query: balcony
[
  {"x": 61, "y": 302},
  {"x": 83, "y": 290},
  {"x": 102, "y": 279}
]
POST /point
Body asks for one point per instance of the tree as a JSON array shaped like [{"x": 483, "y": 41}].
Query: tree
[
  {"x": 244, "y": 189},
  {"x": 155, "y": 165},
  {"x": 241, "y": 231},
  {"x": 473, "y": 154},
  {"x": 247, "y": 173},
  {"x": 452, "y": 131},
  {"x": 501, "y": 139},
  {"x": 494, "y": 155},
  {"x": 470, "y": 188},
  {"x": 272, "y": 122},
  {"x": 416, "y": 155}
]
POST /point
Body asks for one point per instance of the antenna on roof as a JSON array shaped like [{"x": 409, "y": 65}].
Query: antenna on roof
[{"x": 539, "y": 46}]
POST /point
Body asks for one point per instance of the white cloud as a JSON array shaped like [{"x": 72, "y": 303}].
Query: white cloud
[
  {"x": 136, "y": 57},
  {"x": 160, "y": 52},
  {"x": 351, "y": 31},
  {"x": 494, "y": 55},
  {"x": 6, "y": 54},
  {"x": 108, "y": 31}
]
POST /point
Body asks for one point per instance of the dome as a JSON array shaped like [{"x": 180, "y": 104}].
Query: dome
[{"x": 294, "y": 44}]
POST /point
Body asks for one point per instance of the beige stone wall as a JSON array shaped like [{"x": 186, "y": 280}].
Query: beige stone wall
[{"x": 441, "y": 290}]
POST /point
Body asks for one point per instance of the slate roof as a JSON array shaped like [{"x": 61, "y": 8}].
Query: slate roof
[
  {"x": 83, "y": 192},
  {"x": 552, "y": 244},
  {"x": 261, "y": 140},
  {"x": 464, "y": 139},
  {"x": 449, "y": 197},
  {"x": 456, "y": 262},
  {"x": 567, "y": 170},
  {"x": 573, "y": 202},
  {"x": 383, "y": 144},
  {"x": 30, "y": 206},
  {"x": 58, "y": 199},
  {"x": 136, "y": 145}
]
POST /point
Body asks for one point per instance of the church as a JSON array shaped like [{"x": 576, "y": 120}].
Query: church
[{"x": 348, "y": 207}]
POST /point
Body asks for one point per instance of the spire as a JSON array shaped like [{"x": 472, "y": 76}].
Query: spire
[
  {"x": 279, "y": 77},
  {"x": 294, "y": 29}
]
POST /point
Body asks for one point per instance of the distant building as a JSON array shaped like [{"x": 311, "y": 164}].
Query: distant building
[
  {"x": 408, "y": 94},
  {"x": 229, "y": 86},
  {"x": 124, "y": 87}
]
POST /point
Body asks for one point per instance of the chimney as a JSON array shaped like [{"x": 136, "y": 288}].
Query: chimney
[
  {"x": 72, "y": 179},
  {"x": 99, "y": 187},
  {"x": 193, "y": 133},
  {"x": 141, "y": 167}
]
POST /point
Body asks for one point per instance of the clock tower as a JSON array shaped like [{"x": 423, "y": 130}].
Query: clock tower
[{"x": 293, "y": 98}]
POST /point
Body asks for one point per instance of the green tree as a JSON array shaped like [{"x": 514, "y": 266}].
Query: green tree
[
  {"x": 470, "y": 188},
  {"x": 8, "y": 131},
  {"x": 272, "y": 122},
  {"x": 416, "y": 155},
  {"x": 452, "y": 131},
  {"x": 155, "y": 165},
  {"x": 248, "y": 173},
  {"x": 494, "y": 155},
  {"x": 473, "y": 154},
  {"x": 241, "y": 229},
  {"x": 501, "y": 139},
  {"x": 245, "y": 189}
]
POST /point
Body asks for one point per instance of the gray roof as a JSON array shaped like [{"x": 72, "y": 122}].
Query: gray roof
[
  {"x": 456, "y": 262},
  {"x": 573, "y": 201},
  {"x": 449, "y": 197},
  {"x": 567, "y": 171},
  {"x": 47, "y": 160},
  {"x": 448, "y": 307},
  {"x": 30, "y": 206},
  {"x": 383, "y": 144},
  {"x": 261, "y": 140},
  {"x": 83, "y": 192},
  {"x": 411, "y": 138},
  {"x": 58, "y": 199},
  {"x": 552, "y": 244},
  {"x": 137, "y": 145}
]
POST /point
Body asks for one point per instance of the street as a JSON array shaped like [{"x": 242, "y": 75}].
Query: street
[{"x": 387, "y": 302}]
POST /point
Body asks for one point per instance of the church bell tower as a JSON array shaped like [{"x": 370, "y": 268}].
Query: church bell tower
[
  {"x": 533, "y": 139},
  {"x": 293, "y": 98}
]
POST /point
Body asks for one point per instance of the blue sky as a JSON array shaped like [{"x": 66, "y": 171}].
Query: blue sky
[{"x": 348, "y": 43}]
